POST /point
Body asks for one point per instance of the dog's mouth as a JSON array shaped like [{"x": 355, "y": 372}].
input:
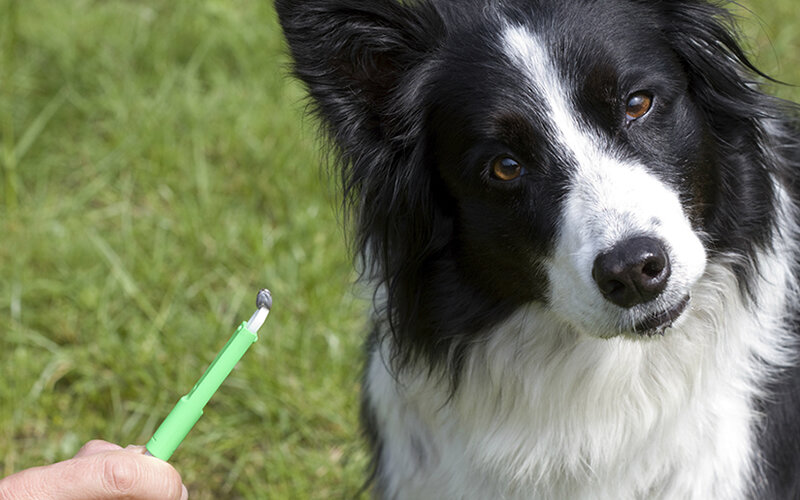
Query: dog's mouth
[{"x": 659, "y": 321}]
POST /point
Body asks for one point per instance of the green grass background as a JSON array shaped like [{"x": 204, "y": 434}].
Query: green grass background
[{"x": 156, "y": 171}]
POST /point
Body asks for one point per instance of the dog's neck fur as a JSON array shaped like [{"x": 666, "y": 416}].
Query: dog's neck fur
[{"x": 542, "y": 412}]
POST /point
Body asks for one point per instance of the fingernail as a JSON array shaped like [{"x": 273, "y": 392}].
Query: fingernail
[{"x": 184, "y": 493}]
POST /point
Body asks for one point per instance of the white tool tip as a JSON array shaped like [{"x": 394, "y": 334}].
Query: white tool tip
[{"x": 264, "y": 303}]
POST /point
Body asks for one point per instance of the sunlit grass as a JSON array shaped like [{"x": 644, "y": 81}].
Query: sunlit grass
[{"x": 161, "y": 175}]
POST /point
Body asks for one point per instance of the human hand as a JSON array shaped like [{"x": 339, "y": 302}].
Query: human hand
[{"x": 99, "y": 471}]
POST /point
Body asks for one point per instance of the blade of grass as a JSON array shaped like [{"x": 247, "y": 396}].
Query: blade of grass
[
  {"x": 37, "y": 126},
  {"x": 129, "y": 285},
  {"x": 8, "y": 49}
]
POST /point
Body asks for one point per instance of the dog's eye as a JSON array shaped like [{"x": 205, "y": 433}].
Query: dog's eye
[
  {"x": 638, "y": 105},
  {"x": 506, "y": 168}
]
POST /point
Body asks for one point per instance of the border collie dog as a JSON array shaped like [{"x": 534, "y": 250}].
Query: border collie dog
[{"x": 580, "y": 221}]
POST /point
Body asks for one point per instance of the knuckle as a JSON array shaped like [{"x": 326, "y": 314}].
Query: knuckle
[
  {"x": 127, "y": 475},
  {"x": 119, "y": 475}
]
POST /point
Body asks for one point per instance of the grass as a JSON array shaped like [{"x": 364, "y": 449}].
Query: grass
[
  {"x": 157, "y": 171},
  {"x": 156, "y": 174}
]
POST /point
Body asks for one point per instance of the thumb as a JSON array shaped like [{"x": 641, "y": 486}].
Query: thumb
[
  {"x": 102, "y": 476},
  {"x": 96, "y": 446}
]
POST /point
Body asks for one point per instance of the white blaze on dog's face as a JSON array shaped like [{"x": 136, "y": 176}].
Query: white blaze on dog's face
[{"x": 611, "y": 199}]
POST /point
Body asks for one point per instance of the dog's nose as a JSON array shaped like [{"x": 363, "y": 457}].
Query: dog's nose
[{"x": 633, "y": 272}]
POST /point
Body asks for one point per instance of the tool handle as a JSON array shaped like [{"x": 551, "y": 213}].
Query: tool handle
[{"x": 189, "y": 408}]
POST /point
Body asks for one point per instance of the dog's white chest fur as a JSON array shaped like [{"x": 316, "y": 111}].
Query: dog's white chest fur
[{"x": 544, "y": 413}]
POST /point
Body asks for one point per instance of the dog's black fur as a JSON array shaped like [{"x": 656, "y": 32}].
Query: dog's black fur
[{"x": 417, "y": 101}]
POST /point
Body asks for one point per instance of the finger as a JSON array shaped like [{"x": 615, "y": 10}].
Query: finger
[
  {"x": 135, "y": 448},
  {"x": 96, "y": 446},
  {"x": 103, "y": 476}
]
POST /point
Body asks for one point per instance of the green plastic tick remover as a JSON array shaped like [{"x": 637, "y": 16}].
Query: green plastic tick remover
[{"x": 189, "y": 408}]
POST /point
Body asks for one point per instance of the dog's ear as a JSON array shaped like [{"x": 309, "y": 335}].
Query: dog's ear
[
  {"x": 704, "y": 35},
  {"x": 352, "y": 56},
  {"x": 364, "y": 63}
]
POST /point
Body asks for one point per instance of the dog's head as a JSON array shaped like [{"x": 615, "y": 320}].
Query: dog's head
[{"x": 589, "y": 156}]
